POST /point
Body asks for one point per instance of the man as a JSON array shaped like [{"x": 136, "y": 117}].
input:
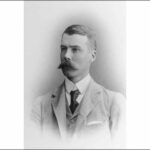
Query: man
[{"x": 80, "y": 107}]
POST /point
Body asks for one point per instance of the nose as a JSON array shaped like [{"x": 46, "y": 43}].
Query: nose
[{"x": 68, "y": 54}]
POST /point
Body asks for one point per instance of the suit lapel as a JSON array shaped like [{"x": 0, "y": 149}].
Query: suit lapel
[
  {"x": 88, "y": 103},
  {"x": 59, "y": 107}
]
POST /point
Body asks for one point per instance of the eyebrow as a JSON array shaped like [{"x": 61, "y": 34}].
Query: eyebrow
[
  {"x": 75, "y": 46},
  {"x": 72, "y": 46},
  {"x": 62, "y": 46}
]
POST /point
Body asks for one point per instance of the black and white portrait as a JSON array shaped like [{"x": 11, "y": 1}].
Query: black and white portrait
[{"x": 75, "y": 75}]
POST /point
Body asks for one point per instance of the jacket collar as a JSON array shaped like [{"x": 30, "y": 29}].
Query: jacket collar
[
  {"x": 90, "y": 99},
  {"x": 88, "y": 103},
  {"x": 59, "y": 107}
]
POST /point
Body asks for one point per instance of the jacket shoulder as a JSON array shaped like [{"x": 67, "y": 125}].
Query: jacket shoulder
[
  {"x": 113, "y": 101},
  {"x": 116, "y": 100},
  {"x": 111, "y": 97}
]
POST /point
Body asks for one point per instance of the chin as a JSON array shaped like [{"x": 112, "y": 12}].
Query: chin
[{"x": 69, "y": 74}]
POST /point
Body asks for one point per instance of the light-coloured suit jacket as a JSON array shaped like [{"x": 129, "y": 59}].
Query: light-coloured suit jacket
[{"x": 101, "y": 112}]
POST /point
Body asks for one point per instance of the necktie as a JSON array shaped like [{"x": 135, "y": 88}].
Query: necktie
[{"x": 74, "y": 95}]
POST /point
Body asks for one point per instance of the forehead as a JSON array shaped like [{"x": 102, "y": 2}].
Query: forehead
[{"x": 74, "y": 39}]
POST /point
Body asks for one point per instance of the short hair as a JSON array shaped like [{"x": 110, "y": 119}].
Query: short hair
[{"x": 82, "y": 30}]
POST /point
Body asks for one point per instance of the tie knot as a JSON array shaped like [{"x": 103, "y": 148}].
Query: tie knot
[{"x": 74, "y": 94}]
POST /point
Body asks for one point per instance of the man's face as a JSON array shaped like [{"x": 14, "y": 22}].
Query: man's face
[{"x": 76, "y": 56}]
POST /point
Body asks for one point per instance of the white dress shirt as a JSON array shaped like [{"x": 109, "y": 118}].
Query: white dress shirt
[{"x": 81, "y": 86}]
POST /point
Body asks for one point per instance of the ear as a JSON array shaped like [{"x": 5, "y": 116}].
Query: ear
[{"x": 93, "y": 55}]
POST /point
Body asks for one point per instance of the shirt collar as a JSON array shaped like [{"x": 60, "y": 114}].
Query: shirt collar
[{"x": 81, "y": 85}]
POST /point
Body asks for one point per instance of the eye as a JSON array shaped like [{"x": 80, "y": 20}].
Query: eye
[
  {"x": 63, "y": 48},
  {"x": 75, "y": 49}
]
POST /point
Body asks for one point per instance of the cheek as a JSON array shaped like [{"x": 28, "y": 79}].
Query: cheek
[
  {"x": 61, "y": 55},
  {"x": 82, "y": 60}
]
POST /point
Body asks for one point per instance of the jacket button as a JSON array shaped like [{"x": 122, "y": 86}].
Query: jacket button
[{"x": 53, "y": 96}]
